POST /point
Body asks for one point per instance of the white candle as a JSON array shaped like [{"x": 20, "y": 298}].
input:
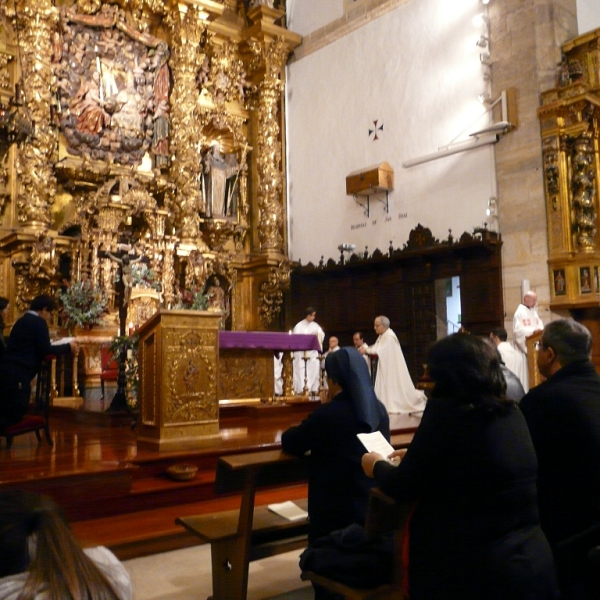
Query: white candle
[
  {"x": 129, "y": 353},
  {"x": 99, "y": 69}
]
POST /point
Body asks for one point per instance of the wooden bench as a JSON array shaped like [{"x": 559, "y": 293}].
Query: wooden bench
[
  {"x": 383, "y": 515},
  {"x": 250, "y": 533}
]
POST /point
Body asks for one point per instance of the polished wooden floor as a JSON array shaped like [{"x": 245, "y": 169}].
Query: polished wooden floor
[{"x": 118, "y": 494}]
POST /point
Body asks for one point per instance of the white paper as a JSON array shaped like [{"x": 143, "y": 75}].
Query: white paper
[
  {"x": 65, "y": 340},
  {"x": 288, "y": 510},
  {"x": 375, "y": 442}
]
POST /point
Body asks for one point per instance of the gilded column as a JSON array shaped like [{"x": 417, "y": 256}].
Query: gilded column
[
  {"x": 34, "y": 23},
  {"x": 186, "y": 32},
  {"x": 269, "y": 46},
  {"x": 270, "y": 175}
]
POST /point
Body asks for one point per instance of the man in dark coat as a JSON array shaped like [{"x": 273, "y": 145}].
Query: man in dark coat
[
  {"x": 563, "y": 415},
  {"x": 28, "y": 344}
]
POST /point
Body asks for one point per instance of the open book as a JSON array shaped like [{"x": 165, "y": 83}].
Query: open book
[
  {"x": 375, "y": 442},
  {"x": 288, "y": 510}
]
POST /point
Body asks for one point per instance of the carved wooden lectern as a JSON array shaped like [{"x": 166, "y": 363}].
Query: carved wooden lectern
[{"x": 178, "y": 362}]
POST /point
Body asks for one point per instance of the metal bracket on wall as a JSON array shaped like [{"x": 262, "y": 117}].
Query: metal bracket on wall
[{"x": 383, "y": 197}]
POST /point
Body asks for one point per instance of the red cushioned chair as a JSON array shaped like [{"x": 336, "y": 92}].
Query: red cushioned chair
[
  {"x": 37, "y": 420},
  {"x": 110, "y": 369}
]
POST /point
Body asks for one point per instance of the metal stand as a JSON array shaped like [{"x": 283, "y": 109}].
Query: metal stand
[
  {"x": 305, "y": 391},
  {"x": 119, "y": 402}
]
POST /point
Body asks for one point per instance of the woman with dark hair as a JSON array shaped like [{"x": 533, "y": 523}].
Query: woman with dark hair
[
  {"x": 471, "y": 468},
  {"x": 41, "y": 559},
  {"x": 338, "y": 489}
]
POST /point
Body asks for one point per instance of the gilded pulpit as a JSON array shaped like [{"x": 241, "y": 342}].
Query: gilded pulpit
[{"x": 178, "y": 358}]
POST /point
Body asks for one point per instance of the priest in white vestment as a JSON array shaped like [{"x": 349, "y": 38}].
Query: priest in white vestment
[
  {"x": 393, "y": 385},
  {"x": 313, "y": 366},
  {"x": 526, "y": 321},
  {"x": 511, "y": 357}
]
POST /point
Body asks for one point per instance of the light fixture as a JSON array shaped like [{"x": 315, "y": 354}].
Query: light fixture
[
  {"x": 485, "y": 98},
  {"x": 483, "y": 41},
  {"x": 485, "y": 2},
  {"x": 485, "y": 59}
]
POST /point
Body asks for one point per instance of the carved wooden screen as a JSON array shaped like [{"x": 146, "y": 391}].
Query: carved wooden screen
[{"x": 401, "y": 285}]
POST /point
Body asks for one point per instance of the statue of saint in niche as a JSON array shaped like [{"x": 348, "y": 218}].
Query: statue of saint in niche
[{"x": 221, "y": 174}]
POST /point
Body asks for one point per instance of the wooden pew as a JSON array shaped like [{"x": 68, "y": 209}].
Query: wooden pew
[
  {"x": 383, "y": 515},
  {"x": 252, "y": 532}
]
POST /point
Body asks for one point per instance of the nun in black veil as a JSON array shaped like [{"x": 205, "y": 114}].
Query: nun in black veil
[{"x": 338, "y": 488}]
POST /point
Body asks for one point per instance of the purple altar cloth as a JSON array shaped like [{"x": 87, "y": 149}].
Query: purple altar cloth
[{"x": 271, "y": 340}]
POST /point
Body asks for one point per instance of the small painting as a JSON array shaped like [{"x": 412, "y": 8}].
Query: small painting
[
  {"x": 585, "y": 282},
  {"x": 560, "y": 282}
]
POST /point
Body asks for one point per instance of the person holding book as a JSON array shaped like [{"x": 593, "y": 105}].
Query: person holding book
[
  {"x": 471, "y": 468},
  {"x": 338, "y": 489}
]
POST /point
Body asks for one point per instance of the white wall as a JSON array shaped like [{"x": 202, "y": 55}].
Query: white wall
[
  {"x": 588, "y": 15},
  {"x": 417, "y": 71},
  {"x": 306, "y": 16}
]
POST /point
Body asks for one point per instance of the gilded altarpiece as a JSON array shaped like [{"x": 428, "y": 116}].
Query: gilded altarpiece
[
  {"x": 145, "y": 130},
  {"x": 569, "y": 118}
]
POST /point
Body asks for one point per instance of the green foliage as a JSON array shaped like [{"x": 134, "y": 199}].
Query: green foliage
[
  {"x": 83, "y": 304},
  {"x": 193, "y": 299},
  {"x": 143, "y": 276}
]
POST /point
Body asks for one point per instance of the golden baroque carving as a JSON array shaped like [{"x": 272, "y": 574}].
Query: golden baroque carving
[
  {"x": 191, "y": 377},
  {"x": 185, "y": 195},
  {"x": 224, "y": 80},
  {"x": 551, "y": 170},
  {"x": 270, "y": 178},
  {"x": 35, "y": 24},
  {"x": 4, "y": 71},
  {"x": 43, "y": 262},
  {"x": 583, "y": 189},
  {"x": 270, "y": 294},
  {"x": 36, "y": 271}
]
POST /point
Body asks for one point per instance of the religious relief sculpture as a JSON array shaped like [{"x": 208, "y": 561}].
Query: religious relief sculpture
[
  {"x": 126, "y": 263},
  {"x": 220, "y": 182},
  {"x": 271, "y": 292},
  {"x": 583, "y": 187},
  {"x": 218, "y": 300},
  {"x": 113, "y": 85}
]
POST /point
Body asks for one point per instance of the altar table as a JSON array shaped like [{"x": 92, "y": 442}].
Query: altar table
[{"x": 246, "y": 361}]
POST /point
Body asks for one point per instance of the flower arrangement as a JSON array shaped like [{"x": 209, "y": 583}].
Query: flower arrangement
[
  {"x": 83, "y": 304},
  {"x": 193, "y": 299}
]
